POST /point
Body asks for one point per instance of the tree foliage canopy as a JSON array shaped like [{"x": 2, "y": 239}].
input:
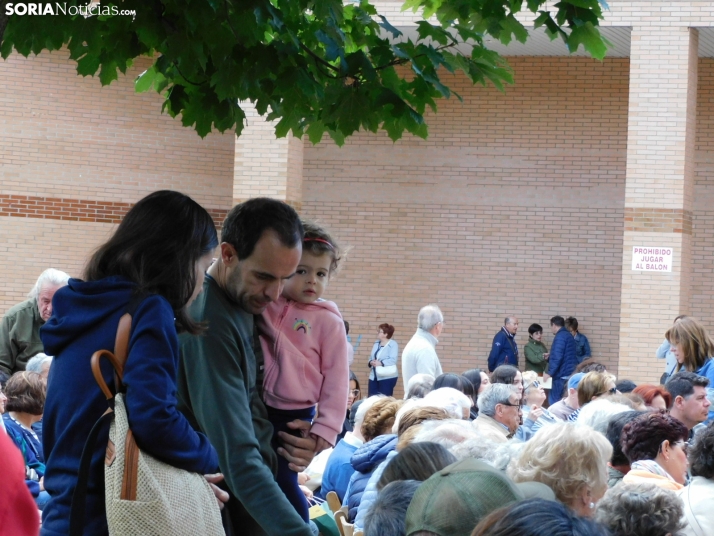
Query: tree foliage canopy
[{"x": 315, "y": 66}]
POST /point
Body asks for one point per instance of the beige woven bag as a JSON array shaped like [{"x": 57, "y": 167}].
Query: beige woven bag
[{"x": 144, "y": 496}]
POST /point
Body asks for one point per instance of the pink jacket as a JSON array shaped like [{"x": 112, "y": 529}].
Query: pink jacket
[{"x": 305, "y": 348}]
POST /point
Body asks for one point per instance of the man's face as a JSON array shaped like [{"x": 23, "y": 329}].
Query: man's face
[
  {"x": 512, "y": 326},
  {"x": 44, "y": 300},
  {"x": 258, "y": 280},
  {"x": 554, "y": 329},
  {"x": 695, "y": 407},
  {"x": 510, "y": 415}
]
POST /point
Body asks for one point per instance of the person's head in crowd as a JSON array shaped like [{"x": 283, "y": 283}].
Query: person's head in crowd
[
  {"x": 25, "y": 392},
  {"x": 379, "y": 418},
  {"x": 633, "y": 400},
  {"x": 641, "y": 510},
  {"x": 419, "y": 385},
  {"x": 511, "y": 324},
  {"x": 535, "y": 332},
  {"x": 387, "y": 515},
  {"x": 590, "y": 366},
  {"x": 353, "y": 414},
  {"x": 655, "y": 396},
  {"x": 556, "y": 323},
  {"x": 701, "y": 454},
  {"x": 690, "y": 404},
  {"x": 501, "y": 402},
  {"x": 408, "y": 423},
  {"x": 598, "y": 413},
  {"x": 49, "y": 282},
  {"x": 571, "y": 460},
  {"x": 449, "y": 379},
  {"x": 533, "y": 392},
  {"x": 571, "y": 324},
  {"x": 594, "y": 385},
  {"x": 533, "y": 516},
  {"x": 456, "y": 403},
  {"x": 448, "y": 433},
  {"x": 40, "y": 363},
  {"x": 386, "y": 332},
  {"x": 625, "y": 386},
  {"x": 3, "y": 400},
  {"x": 479, "y": 379},
  {"x": 497, "y": 455},
  {"x": 418, "y": 461},
  {"x": 189, "y": 241},
  {"x": 613, "y": 434},
  {"x": 431, "y": 319},
  {"x": 690, "y": 344},
  {"x": 660, "y": 438},
  {"x": 571, "y": 394},
  {"x": 454, "y": 500},
  {"x": 362, "y": 406},
  {"x": 509, "y": 375},
  {"x": 355, "y": 393}
]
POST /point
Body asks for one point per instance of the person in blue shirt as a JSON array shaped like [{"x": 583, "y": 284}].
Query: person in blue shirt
[
  {"x": 156, "y": 258},
  {"x": 562, "y": 360},
  {"x": 582, "y": 346},
  {"x": 504, "y": 350}
]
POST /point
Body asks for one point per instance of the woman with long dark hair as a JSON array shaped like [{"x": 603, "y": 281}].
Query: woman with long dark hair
[{"x": 157, "y": 259}]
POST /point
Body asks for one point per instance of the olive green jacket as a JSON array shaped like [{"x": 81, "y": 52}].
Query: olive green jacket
[
  {"x": 534, "y": 351},
  {"x": 20, "y": 336}
]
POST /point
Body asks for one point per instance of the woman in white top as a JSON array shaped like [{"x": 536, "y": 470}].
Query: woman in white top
[{"x": 383, "y": 372}]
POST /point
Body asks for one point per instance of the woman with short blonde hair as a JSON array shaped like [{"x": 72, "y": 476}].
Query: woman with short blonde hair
[
  {"x": 594, "y": 385},
  {"x": 571, "y": 460}
]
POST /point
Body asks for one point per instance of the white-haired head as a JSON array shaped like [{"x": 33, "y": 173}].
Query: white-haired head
[
  {"x": 446, "y": 433},
  {"x": 44, "y": 290},
  {"x": 598, "y": 413},
  {"x": 40, "y": 363},
  {"x": 429, "y": 316},
  {"x": 419, "y": 385},
  {"x": 451, "y": 400}
]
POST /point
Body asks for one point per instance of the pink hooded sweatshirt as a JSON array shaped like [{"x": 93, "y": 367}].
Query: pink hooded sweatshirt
[{"x": 305, "y": 349}]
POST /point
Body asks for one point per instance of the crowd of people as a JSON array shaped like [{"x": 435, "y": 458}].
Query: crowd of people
[{"x": 237, "y": 369}]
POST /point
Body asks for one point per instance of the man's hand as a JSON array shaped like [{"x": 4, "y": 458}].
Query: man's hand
[
  {"x": 535, "y": 413},
  {"x": 298, "y": 451},
  {"x": 221, "y": 495},
  {"x": 546, "y": 356}
]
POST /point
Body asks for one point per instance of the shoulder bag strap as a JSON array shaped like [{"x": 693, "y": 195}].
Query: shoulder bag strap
[{"x": 117, "y": 359}]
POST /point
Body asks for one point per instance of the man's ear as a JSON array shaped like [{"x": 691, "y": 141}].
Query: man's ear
[
  {"x": 228, "y": 253},
  {"x": 678, "y": 401}
]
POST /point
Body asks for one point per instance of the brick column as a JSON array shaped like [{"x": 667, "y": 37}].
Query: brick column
[
  {"x": 659, "y": 190},
  {"x": 267, "y": 166}
]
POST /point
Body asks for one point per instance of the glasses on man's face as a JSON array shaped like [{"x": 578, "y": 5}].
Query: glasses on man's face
[
  {"x": 519, "y": 406},
  {"x": 355, "y": 392}
]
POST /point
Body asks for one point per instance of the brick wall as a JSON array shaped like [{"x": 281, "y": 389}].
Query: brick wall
[
  {"x": 702, "y": 306},
  {"x": 73, "y": 158},
  {"x": 515, "y": 203}
]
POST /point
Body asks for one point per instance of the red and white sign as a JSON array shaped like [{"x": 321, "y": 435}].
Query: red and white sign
[{"x": 652, "y": 259}]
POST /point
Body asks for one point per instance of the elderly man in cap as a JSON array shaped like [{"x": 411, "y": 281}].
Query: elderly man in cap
[
  {"x": 569, "y": 404},
  {"x": 454, "y": 500},
  {"x": 20, "y": 327}
]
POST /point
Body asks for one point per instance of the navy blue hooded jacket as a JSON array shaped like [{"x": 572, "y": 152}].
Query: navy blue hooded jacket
[
  {"x": 364, "y": 461},
  {"x": 84, "y": 319},
  {"x": 504, "y": 351}
]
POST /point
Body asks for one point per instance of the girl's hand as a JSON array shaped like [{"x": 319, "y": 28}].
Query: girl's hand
[
  {"x": 320, "y": 444},
  {"x": 221, "y": 495},
  {"x": 303, "y": 478}
]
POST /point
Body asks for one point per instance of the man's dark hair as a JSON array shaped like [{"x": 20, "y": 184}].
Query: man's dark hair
[
  {"x": 625, "y": 386},
  {"x": 683, "y": 384},
  {"x": 504, "y": 374},
  {"x": 571, "y": 323},
  {"x": 701, "y": 455},
  {"x": 247, "y": 222},
  {"x": 557, "y": 321},
  {"x": 387, "y": 515},
  {"x": 417, "y": 461},
  {"x": 614, "y": 432},
  {"x": 156, "y": 246},
  {"x": 449, "y": 379},
  {"x": 590, "y": 366}
]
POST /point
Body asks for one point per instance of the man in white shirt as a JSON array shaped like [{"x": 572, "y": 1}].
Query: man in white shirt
[{"x": 419, "y": 355}]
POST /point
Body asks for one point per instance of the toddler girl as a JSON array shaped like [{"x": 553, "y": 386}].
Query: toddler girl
[{"x": 305, "y": 347}]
